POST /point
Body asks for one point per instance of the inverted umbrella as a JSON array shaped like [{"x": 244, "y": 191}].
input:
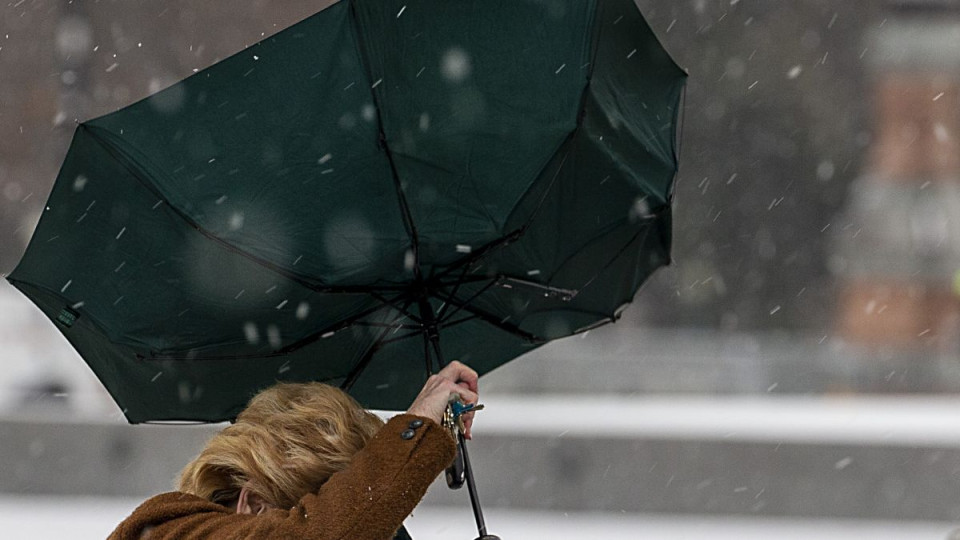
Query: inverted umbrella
[{"x": 329, "y": 203}]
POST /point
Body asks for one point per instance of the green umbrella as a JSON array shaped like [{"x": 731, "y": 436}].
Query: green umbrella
[{"x": 331, "y": 202}]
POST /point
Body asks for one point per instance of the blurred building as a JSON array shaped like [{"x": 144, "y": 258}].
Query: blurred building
[{"x": 898, "y": 248}]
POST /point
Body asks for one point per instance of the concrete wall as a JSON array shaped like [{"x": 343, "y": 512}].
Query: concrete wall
[{"x": 605, "y": 473}]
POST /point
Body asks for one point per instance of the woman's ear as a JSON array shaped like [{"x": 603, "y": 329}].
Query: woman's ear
[{"x": 250, "y": 503}]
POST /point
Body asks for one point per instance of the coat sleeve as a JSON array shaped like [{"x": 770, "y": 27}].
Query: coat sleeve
[
  {"x": 367, "y": 501},
  {"x": 384, "y": 483}
]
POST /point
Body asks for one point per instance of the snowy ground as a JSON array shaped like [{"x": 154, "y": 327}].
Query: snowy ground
[{"x": 43, "y": 518}]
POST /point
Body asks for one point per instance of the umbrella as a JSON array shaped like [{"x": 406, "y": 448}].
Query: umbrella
[{"x": 333, "y": 202}]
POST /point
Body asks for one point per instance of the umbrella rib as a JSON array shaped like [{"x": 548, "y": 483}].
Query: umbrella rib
[
  {"x": 309, "y": 339},
  {"x": 340, "y": 325},
  {"x": 498, "y": 322},
  {"x": 565, "y": 146},
  {"x": 453, "y": 293},
  {"x": 273, "y": 267},
  {"x": 388, "y": 325},
  {"x": 479, "y": 254},
  {"x": 293, "y": 347},
  {"x": 401, "y": 196},
  {"x": 458, "y": 321},
  {"x": 611, "y": 261},
  {"x": 426, "y": 353},
  {"x": 394, "y": 305},
  {"x": 364, "y": 362},
  {"x": 472, "y": 279},
  {"x": 519, "y": 232},
  {"x": 470, "y": 300},
  {"x": 565, "y": 294},
  {"x": 401, "y": 337},
  {"x": 368, "y": 356},
  {"x": 619, "y": 252}
]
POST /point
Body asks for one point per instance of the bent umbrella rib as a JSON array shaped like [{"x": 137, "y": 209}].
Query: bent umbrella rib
[{"x": 496, "y": 321}]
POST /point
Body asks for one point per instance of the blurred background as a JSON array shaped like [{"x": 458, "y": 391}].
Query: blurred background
[{"x": 794, "y": 372}]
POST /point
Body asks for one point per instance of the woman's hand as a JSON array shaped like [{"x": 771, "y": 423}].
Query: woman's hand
[{"x": 455, "y": 381}]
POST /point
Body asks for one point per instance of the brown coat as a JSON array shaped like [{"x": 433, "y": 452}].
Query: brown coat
[{"x": 367, "y": 501}]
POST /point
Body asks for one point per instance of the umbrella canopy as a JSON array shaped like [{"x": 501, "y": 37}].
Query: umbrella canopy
[{"x": 324, "y": 203}]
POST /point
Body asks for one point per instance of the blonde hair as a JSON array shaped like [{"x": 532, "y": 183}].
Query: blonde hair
[{"x": 288, "y": 441}]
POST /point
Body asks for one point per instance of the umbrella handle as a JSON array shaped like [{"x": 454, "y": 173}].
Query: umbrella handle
[{"x": 456, "y": 472}]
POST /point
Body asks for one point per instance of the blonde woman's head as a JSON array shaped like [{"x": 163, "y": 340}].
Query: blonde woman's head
[{"x": 285, "y": 444}]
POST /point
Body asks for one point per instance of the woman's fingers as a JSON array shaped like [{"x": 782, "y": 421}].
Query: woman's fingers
[
  {"x": 459, "y": 373},
  {"x": 454, "y": 382},
  {"x": 466, "y": 396}
]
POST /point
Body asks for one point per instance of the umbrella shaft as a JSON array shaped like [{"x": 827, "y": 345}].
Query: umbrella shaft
[
  {"x": 471, "y": 486},
  {"x": 432, "y": 338}
]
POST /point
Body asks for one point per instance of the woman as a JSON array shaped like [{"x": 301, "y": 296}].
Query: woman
[{"x": 305, "y": 461}]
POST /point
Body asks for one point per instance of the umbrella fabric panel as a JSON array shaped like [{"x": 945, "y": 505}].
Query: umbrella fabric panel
[
  {"x": 115, "y": 253},
  {"x": 276, "y": 151},
  {"x": 474, "y": 101},
  {"x": 584, "y": 194},
  {"x": 432, "y": 209},
  {"x": 624, "y": 259},
  {"x": 637, "y": 86}
]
